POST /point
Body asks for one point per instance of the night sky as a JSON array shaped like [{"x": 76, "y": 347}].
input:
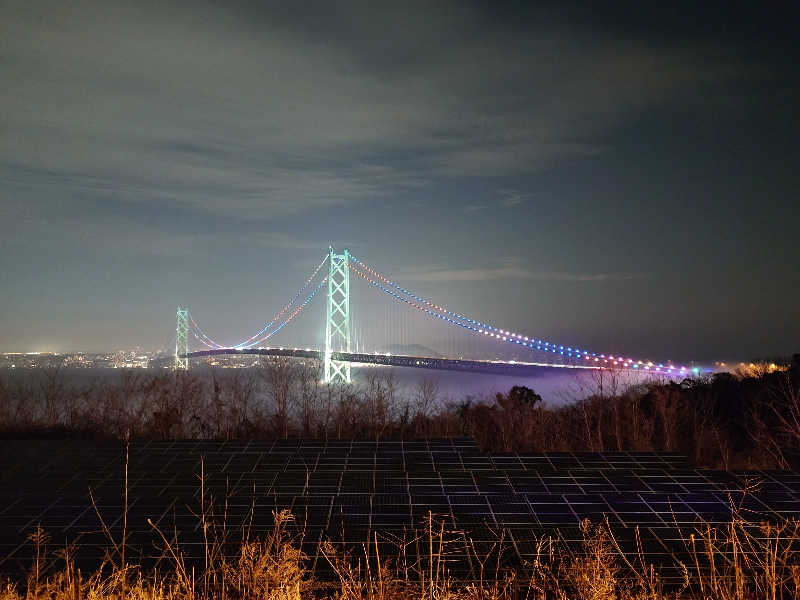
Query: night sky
[{"x": 620, "y": 180}]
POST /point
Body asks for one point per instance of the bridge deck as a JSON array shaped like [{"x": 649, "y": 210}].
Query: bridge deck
[{"x": 493, "y": 367}]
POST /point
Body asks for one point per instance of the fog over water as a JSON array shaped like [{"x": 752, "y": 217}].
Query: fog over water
[{"x": 556, "y": 386}]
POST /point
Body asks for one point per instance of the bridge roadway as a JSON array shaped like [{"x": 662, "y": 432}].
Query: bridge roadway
[{"x": 493, "y": 367}]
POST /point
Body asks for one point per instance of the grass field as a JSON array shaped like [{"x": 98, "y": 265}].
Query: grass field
[{"x": 727, "y": 562}]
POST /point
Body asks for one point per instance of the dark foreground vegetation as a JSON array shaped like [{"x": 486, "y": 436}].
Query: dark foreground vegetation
[
  {"x": 745, "y": 420},
  {"x": 727, "y": 562}
]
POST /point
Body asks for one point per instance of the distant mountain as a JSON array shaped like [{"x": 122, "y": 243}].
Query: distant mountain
[{"x": 413, "y": 350}]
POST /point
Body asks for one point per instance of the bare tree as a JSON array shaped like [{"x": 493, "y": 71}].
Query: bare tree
[
  {"x": 242, "y": 391},
  {"x": 379, "y": 400},
  {"x": 425, "y": 397},
  {"x": 5, "y": 404},
  {"x": 309, "y": 376},
  {"x": 667, "y": 401},
  {"x": 277, "y": 371},
  {"x": 53, "y": 390},
  {"x": 776, "y": 421}
]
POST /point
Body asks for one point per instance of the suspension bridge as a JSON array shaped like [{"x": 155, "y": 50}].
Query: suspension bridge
[{"x": 510, "y": 352}]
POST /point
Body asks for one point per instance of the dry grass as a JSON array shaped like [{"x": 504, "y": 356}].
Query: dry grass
[{"x": 737, "y": 561}]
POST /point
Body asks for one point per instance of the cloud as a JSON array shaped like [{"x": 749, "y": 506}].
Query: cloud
[
  {"x": 511, "y": 198},
  {"x": 228, "y": 134},
  {"x": 508, "y": 198},
  {"x": 287, "y": 242},
  {"x": 261, "y": 111},
  {"x": 510, "y": 272}
]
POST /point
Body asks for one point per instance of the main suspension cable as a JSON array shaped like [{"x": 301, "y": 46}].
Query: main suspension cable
[
  {"x": 255, "y": 339},
  {"x": 475, "y": 326}
]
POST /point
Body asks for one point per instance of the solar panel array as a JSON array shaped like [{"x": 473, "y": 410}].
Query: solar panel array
[{"x": 347, "y": 491}]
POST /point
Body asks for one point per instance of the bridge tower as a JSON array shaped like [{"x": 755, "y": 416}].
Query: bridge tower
[
  {"x": 337, "y": 324},
  {"x": 182, "y": 339}
]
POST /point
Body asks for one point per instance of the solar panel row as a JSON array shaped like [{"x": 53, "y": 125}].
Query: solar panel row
[{"x": 347, "y": 491}]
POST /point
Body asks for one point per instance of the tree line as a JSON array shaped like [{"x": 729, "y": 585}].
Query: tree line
[{"x": 749, "y": 419}]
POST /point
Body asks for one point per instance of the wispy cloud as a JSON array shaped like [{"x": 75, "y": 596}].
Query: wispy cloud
[
  {"x": 287, "y": 242},
  {"x": 510, "y": 198},
  {"x": 277, "y": 122},
  {"x": 510, "y": 272},
  {"x": 506, "y": 198}
]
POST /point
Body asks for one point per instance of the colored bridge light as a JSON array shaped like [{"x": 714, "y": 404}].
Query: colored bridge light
[{"x": 485, "y": 329}]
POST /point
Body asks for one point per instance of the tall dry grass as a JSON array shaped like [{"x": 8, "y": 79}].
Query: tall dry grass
[
  {"x": 723, "y": 563},
  {"x": 738, "y": 560}
]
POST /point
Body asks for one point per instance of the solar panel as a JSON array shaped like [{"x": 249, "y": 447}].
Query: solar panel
[{"x": 347, "y": 490}]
